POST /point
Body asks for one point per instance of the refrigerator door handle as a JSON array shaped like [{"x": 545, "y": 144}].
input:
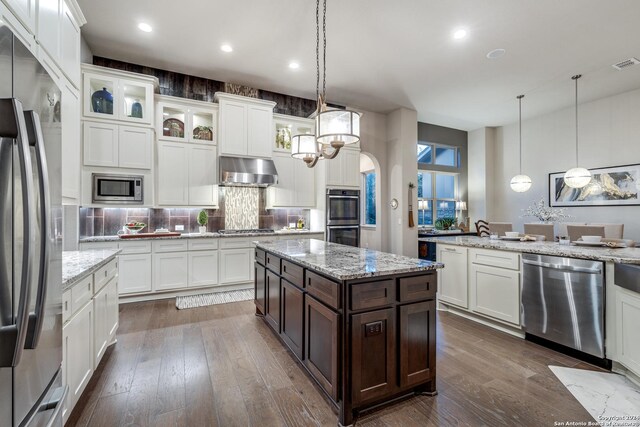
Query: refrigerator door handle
[
  {"x": 58, "y": 404},
  {"x": 34, "y": 132},
  {"x": 12, "y": 125}
]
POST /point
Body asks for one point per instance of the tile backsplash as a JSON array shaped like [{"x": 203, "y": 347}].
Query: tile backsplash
[{"x": 237, "y": 210}]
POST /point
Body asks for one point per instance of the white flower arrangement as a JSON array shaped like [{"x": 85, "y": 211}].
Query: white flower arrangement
[{"x": 545, "y": 213}]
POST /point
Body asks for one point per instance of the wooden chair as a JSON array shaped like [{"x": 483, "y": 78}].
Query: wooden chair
[
  {"x": 577, "y": 231},
  {"x": 482, "y": 228},
  {"x": 500, "y": 228},
  {"x": 545, "y": 230}
]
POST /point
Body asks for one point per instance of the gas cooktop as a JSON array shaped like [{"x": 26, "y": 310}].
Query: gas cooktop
[{"x": 248, "y": 231}]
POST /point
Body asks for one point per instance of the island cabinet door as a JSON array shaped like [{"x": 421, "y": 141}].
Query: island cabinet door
[
  {"x": 321, "y": 341},
  {"x": 272, "y": 285},
  {"x": 292, "y": 317},
  {"x": 260, "y": 287},
  {"x": 417, "y": 343},
  {"x": 373, "y": 355}
]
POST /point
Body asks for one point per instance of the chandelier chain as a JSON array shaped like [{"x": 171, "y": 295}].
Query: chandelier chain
[
  {"x": 520, "y": 127},
  {"x": 575, "y": 78},
  {"x": 324, "y": 49},
  {"x": 317, "y": 48}
]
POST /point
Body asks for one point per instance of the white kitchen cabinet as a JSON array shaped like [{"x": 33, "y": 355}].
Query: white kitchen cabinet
[
  {"x": 78, "y": 348},
  {"x": 70, "y": 45},
  {"x": 296, "y": 183},
  {"x": 49, "y": 18},
  {"x": 495, "y": 292},
  {"x": 452, "y": 279},
  {"x": 134, "y": 147},
  {"x": 134, "y": 273},
  {"x": 100, "y": 144},
  {"x": 170, "y": 271},
  {"x": 100, "y": 337},
  {"x": 344, "y": 170},
  {"x": 259, "y": 124},
  {"x": 285, "y": 127},
  {"x": 172, "y": 174},
  {"x": 70, "y": 145},
  {"x": 130, "y": 95},
  {"x": 282, "y": 193},
  {"x": 245, "y": 125},
  {"x": 235, "y": 265},
  {"x": 627, "y": 321},
  {"x": 203, "y": 268},
  {"x": 187, "y": 174},
  {"x": 182, "y": 120},
  {"x": 25, "y": 11},
  {"x": 203, "y": 175},
  {"x": 116, "y": 146}
]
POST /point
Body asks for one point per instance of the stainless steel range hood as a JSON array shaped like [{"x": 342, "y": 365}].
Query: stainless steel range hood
[{"x": 247, "y": 172}]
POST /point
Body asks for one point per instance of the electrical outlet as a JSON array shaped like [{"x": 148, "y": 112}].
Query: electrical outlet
[{"x": 179, "y": 227}]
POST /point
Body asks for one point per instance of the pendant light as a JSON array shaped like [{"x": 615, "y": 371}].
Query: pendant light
[
  {"x": 333, "y": 128},
  {"x": 577, "y": 177},
  {"x": 520, "y": 183}
]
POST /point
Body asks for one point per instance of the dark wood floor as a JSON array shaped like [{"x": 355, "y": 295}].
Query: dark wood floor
[{"x": 207, "y": 367}]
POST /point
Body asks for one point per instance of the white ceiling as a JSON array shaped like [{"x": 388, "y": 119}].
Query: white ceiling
[{"x": 385, "y": 54}]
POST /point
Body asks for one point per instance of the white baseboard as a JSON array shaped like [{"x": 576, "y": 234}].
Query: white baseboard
[{"x": 515, "y": 331}]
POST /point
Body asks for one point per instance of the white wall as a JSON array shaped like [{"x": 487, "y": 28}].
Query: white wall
[
  {"x": 373, "y": 144},
  {"x": 609, "y": 136},
  {"x": 402, "y": 139},
  {"x": 480, "y": 170}
]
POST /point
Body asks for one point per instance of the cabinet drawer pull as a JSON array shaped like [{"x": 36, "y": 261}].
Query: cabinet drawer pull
[{"x": 450, "y": 249}]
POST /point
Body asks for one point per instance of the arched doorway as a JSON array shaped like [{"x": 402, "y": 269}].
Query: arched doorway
[{"x": 371, "y": 212}]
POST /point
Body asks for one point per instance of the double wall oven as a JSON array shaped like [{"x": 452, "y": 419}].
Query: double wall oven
[{"x": 343, "y": 217}]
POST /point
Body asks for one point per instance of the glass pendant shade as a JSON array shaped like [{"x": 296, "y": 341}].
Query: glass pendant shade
[
  {"x": 338, "y": 127},
  {"x": 577, "y": 177},
  {"x": 520, "y": 183},
  {"x": 304, "y": 146}
]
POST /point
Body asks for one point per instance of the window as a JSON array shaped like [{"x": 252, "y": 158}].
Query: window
[
  {"x": 369, "y": 191},
  {"x": 436, "y": 194},
  {"x": 445, "y": 155}
]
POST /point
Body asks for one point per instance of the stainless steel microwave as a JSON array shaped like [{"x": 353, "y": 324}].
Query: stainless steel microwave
[{"x": 117, "y": 189}]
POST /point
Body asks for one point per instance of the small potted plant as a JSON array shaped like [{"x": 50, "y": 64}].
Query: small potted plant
[{"x": 203, "y": 218}]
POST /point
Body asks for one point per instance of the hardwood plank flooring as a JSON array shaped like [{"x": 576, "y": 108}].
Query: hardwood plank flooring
[{"x": 222, "y": 366}]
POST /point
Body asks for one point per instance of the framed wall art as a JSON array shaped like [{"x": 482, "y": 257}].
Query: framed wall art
[{"x": 612, "y": 186}]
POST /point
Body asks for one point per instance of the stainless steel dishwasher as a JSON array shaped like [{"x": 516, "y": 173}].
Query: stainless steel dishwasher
[{"x": 563, "y": 301}]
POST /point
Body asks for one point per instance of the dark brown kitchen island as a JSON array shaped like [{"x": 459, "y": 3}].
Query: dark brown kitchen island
[{"x": 361, "y": 322}]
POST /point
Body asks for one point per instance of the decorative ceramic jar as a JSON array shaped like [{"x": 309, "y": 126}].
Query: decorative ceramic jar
[
  {"x": 136, "y": 109},
  {"x": 102, "y": 101}
]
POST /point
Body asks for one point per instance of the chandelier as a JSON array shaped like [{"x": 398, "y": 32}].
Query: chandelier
[
  {"x": 520, "y": 183},
  {"x": 577, "y": 177},
  {"x": 333, "y": 128}
]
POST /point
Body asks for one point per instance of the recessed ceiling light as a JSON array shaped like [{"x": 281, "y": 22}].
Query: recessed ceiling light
[
  {"x": 460, "y": 34},
  {"x": 294, "y": 65},
  {"x": 226, "y": 48},
  {"x": 145, "y": 27},
  {"x": 496, "y": 53}
]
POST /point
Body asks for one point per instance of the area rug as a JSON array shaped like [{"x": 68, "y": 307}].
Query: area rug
[
  {"x": 202, "y": 300},
  {"x": 611, "y": 399}
]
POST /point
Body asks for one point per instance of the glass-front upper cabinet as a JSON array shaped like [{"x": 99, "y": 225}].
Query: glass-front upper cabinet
[
  {"x": 184, "y": 120},
  {"x": 285, "y": 127},
  {"x": 118, "y": 95}
]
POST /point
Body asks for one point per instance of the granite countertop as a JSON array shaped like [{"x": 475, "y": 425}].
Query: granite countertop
[
  {"x": 619, "y": 255},
  {"x": 198, "y": 236},
  {"x": 79, "y": 264},
  {"x": 344, "y": 262}
]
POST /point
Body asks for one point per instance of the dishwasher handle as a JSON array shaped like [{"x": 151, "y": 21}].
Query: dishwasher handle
[{"x": 563, "y": 267}]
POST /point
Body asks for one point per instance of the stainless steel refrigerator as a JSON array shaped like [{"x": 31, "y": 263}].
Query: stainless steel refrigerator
[{"x": 31, "y": 391}]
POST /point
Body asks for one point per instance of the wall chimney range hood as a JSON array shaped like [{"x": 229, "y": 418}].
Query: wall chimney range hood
[{"x": 241, "y": 171}]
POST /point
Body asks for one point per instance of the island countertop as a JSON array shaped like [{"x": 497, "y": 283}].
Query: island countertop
[
  {"x": 617, "y": 255},
  {"x": 79, "y": 264},
  {"x": 344, "y": 262}
]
